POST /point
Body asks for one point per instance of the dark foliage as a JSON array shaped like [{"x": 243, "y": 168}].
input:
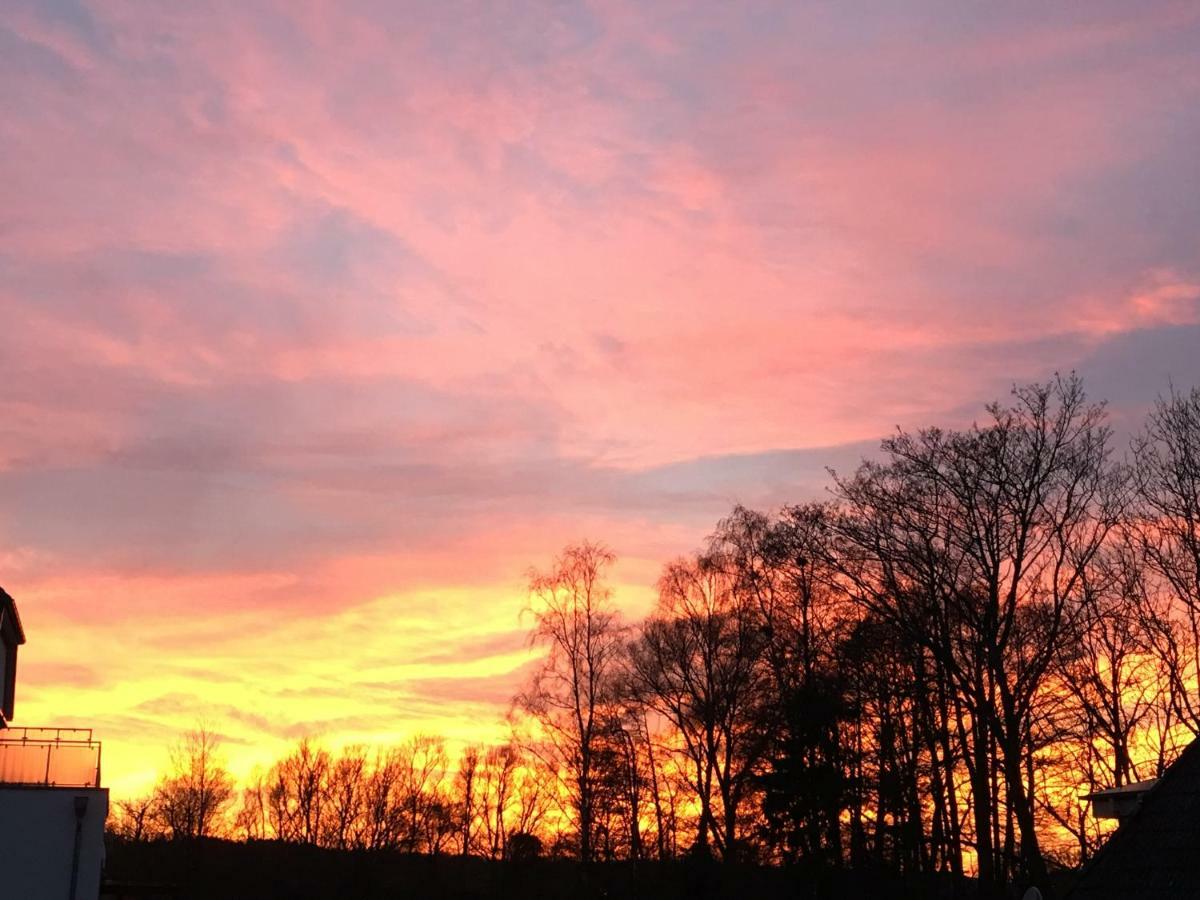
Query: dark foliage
[
  {"x": 806, "y": 787},
  {"x": 273, "y": 870}
]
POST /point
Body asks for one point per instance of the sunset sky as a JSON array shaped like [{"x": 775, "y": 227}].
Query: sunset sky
[{"x": 320, "y": 323}]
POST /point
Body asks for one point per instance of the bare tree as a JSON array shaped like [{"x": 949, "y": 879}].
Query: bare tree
[
  {"x": 384, "y": 803},
  {"x": 135, "y": 819},
  {"x": 571, "y": 694},
  {"x": 1167, "y": 528},
  {"x": 298, "y": 793},
  {"x": 498, "y": 785},
  {"x": 467, "y": 784},
  {"x": 252, "y": 819},
  {"x": 422, "y": 765},
  {"x": 533, "y": 795},
  {"x": 976, "y": 544},
  {"x": 191, "y": 798},
  {"x": 345, "y": 799},
  {"x": 783, "y": 584},
  {"x": 696, "y": 664}
]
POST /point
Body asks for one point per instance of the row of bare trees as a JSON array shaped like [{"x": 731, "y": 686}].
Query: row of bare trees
[
  {"x": 189, "y": 801},
  {"x": 407, "y": 798},
  {"x": 924, "y": 672}
]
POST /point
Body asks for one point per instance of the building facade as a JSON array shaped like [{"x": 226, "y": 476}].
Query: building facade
[{"x": 52, "y": 804}]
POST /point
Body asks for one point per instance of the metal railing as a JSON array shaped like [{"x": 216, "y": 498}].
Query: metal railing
[{"x": 49, "y": 757}]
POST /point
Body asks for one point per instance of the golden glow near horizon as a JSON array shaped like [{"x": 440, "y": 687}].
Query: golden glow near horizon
[{"x": 438, "y": 662}]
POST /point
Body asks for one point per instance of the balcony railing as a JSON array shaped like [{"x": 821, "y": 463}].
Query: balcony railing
[{"x": 49, "y": 757}]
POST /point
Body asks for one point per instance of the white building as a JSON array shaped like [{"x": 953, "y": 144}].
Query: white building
[{"x": 52, "y": 807}]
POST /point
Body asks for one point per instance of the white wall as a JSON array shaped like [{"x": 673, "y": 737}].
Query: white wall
[{"x": 37, "y": 841}]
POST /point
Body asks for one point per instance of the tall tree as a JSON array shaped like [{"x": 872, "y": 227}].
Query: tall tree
[
  {"x": 298, "y": 793},
  {"x": 976, "y": 543},
  {"x": 697, "y": 663},
  {"x": 346, "y": 795},
  {"x": 1167, "y": 528},
  {"x": 422, "y": 763},
  {"x": 781, "y": 578},
  {"x": 571, "y": 695},
  {"x": 467, "y": 784}
]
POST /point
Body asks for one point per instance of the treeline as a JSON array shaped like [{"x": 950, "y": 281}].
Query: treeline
[
  {"x": 922, "y": 673},
  {"x": 409, "y": 798}
]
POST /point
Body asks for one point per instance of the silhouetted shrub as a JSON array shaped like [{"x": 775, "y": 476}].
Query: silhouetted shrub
[{"x": 523, "y": 847}]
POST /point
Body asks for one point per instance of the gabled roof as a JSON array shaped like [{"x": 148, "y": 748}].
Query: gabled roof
[
  {"x": 1155, "y": 854},
  {"x": 9, "y": 617}
]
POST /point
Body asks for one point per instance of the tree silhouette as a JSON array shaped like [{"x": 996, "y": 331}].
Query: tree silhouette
[
  {"x": 191, "y": 798},
  {"x": 571, "y": 696}
]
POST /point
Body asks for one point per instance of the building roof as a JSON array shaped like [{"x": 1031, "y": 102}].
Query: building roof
[
  {"x": 1155, "y": 853},
  {"x": 1135, "y": 787},
  {"x": 10, "y": 616}
]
